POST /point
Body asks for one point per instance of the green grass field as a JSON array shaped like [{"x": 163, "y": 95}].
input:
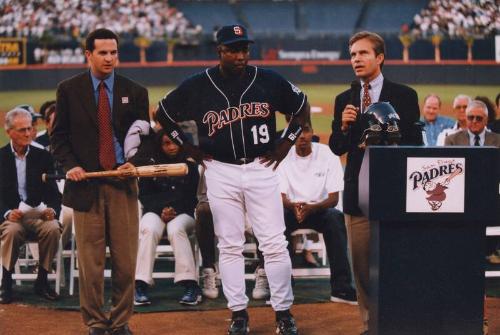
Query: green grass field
[{"x": 319, "y": 95}]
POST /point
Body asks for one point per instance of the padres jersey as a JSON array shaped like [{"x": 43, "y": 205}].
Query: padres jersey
[{"x": 235, "y": 116}]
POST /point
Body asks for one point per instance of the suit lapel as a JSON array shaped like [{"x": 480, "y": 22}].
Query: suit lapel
[
  {"x": 385, "y": 94},
  {"x": 118, "y": 95},
  {"x": 87, "y": 97}
]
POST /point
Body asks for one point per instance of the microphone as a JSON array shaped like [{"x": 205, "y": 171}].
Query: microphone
[{"x": 355, "y": 89}]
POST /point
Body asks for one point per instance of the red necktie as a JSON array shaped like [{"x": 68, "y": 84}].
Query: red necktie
[
  {"x": 367, "y": 101},
  {"x": 107, "y": 157}
]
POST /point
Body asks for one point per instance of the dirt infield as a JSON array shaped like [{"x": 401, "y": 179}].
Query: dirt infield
[{"x": 326, "y": 318}]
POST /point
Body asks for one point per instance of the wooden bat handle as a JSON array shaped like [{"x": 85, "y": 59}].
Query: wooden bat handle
[{"x": 159, "y": 170}]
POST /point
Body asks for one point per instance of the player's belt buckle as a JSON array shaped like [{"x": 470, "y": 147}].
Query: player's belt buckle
[{"x": 243, "y": 161}]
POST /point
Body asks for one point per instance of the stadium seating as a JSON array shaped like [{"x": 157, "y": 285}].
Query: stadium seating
[
  {"x": 331, "y": 17},
  {"x": 269, "y": 18}
]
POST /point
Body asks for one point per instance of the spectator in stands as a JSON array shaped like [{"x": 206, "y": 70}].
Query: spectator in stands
[
  {"x": 476, "y": 133},
  {"x": 20, "y": 191},
  {"x": 433, "y": 122},
  {"x": 310, "y": 181},
  {"x": 206, "y": 240},
  {"x": 460, "y": 103},
  {"x": 168, "y": 203},
  {"x": 367, "y": 52},
  {"x": 495, "y": 127}
]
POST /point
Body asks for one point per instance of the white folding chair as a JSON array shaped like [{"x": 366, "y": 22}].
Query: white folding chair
[{"x": 317, "y": 247}]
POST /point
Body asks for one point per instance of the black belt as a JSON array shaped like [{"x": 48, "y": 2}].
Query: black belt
[{"x": 239, "y": 161}]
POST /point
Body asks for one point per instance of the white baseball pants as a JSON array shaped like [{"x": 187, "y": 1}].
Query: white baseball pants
[
  {"x": 251, "y": 189},
  {"x": 151, "y": 229}
]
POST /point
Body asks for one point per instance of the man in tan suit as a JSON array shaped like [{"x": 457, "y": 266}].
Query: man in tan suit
[
  {"x": 94, "y": 110},
  {"x": 476, "y": 133}
]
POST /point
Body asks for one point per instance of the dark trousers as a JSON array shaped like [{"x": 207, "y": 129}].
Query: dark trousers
[{"x": 330, "y": 223}]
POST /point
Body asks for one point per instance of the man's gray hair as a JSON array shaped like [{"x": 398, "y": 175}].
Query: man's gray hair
[
  {"x": 461, "y": 96},
  {"x": 476, "y": 104},
  {"x": 12, "y": 114}
]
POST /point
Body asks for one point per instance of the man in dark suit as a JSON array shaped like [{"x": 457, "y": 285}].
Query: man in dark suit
[
  {"x": 94, "y": 110},
  {"x": 475, "y": 134},
  {"x": 21, "y": 187},
  {"x": 367, "y": 52}
]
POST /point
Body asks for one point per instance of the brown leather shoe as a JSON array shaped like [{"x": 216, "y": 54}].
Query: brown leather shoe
[{"x": 45, "y": 291}]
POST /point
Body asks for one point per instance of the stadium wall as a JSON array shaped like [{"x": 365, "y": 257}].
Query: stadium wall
[{"x": 306, "y": 72}]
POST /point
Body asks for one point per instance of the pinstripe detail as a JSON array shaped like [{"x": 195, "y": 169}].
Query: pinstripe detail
[
  {"x": 241, "y": 120},
  {"x": 228, "y": 106}
]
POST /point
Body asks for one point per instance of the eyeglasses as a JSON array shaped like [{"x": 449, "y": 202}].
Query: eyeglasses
[
  {"x": 24, "y": 130},
  {"x": 478, "y": 118},
  {"x": 460, "y": 107}
]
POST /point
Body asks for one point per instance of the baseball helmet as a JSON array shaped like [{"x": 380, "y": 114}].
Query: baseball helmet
[{"x": 383, "y": 125}]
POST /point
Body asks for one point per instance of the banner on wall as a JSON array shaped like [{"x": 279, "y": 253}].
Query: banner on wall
[{"x": 12, "y": 51}]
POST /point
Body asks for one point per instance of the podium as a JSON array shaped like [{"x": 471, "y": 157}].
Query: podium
[{"x": 428, "y": 210}]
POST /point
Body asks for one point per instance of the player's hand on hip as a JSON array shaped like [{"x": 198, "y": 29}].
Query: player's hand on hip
[
  {"x": 195, "y": 153},
  {"x": 76, "y": 174},
  {"x": 274, "y": 158},
  {"x": 349, "y": 115}
]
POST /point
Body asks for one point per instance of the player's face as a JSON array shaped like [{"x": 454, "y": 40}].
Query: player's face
[
  {"x": 169, "y": 148},
  {"x": 431, "y": 109},
  {"x": 365, "y": 63},
  {"x": 234, "y": 57},
  {"x": 103, "y": 58},
  {"x": 304, "y": 141},
  {"x": 476, "y": 120},
  {"x": 459, "y": 109},
  {"x": 20, "y": 133}
]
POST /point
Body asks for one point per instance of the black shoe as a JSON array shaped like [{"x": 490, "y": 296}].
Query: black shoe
[
  {"x": 44, "y": 290},
  {"x": 239, "y": 323},
  {"x": 97, "y": 331},
  {"x": 285, "y": 325},
  {"x": 5, "y": 295},
  {"x": 124, "y": 330},
  {"x": 6, "y": 288},
  {"x": 346, "y": 296}
]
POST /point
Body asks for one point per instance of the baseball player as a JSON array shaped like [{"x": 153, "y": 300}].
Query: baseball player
[{"x": 234, "y": 106}]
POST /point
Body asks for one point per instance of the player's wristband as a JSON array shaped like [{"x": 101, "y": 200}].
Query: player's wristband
[{"x": 292, "y": 133}]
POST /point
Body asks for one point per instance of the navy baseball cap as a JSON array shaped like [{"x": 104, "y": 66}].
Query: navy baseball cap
[{"x": 232, "y": 34}]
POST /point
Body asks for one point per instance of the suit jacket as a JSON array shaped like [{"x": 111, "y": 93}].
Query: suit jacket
[
  {"x": 462, "y": 138},
  {"x": 38, "y": 162},
  {"x": 404, "y": 100},
  {"x": 75, "y": 135}
]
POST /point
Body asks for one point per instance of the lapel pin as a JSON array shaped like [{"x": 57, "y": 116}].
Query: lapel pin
[{"x": 124, "y": 100}]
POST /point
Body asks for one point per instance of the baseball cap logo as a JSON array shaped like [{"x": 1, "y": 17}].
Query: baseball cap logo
[{"x": 238, "y": 31}]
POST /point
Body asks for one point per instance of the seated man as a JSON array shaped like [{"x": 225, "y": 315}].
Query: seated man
[
  {"x": 168, "y": 202},
  {"x": 311, "y": 179},
  {"x": 21, "y": 187},
  {"x": 433, "y": 122}
]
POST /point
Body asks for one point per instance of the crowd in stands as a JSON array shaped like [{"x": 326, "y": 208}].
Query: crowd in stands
[
  {"x": 456, "y": 18},
  {"x": 152, "y": 19},
  {"x": 62, "y": 56}
]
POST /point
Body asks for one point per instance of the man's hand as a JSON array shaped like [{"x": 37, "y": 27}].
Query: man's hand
[
  {"x": 195, "y": 153},
  {"x": 126, "y": 167},
  {"x": 15, "y": 215},
  {"x": 277, "y": 155},
  {"x": 168, "y": 214},
  {"x": 76, "y": 174},
  {"x": 305, "y": 210},
  {"x": 349, "y": 115},
  {"x": 48, "y": 214}
]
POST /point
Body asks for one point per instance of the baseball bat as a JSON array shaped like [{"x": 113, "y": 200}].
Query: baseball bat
[{"x": 158, "y": 170}]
